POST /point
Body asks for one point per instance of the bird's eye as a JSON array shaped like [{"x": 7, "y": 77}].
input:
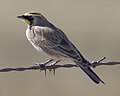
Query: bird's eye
[{"x": 30, "y": 18}]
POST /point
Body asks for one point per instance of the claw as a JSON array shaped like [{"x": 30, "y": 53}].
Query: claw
[
  {"x": 45, "y": 72},
  {"x": 54, "y": 71},
  {"x": 42, "y": 66},
  {"x": 53, "y": 66}
]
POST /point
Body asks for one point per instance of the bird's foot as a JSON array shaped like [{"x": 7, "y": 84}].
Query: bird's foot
[
  {"x": 42, "y": 66},
  {"x": 52, "y": 66}
]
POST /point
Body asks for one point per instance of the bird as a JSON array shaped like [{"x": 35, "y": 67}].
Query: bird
[{"x": 46, "y": 37}]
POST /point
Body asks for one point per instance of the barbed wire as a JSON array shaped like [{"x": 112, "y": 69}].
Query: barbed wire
[{"x": 44, "y": 66}]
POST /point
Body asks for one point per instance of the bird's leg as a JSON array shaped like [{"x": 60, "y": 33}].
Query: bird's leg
[
  {"x": 53, "y": 66},
  {"x": 48, "y": 61},
  {"x": 42, "y": 66}
]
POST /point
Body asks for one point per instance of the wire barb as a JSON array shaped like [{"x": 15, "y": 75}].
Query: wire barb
[{"x": 94, "y": 63}]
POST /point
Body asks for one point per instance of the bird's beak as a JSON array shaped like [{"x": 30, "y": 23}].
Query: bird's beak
[{"x": 20, "y": 17}]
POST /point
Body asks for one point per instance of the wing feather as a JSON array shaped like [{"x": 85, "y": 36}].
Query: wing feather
[{"x": 58, "y": 42}]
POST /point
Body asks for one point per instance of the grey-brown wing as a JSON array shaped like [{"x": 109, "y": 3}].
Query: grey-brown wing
[{"x": 58, "y": 42}]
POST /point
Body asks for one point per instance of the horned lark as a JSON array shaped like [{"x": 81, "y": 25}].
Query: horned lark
[{"x": 44, "y": 36}]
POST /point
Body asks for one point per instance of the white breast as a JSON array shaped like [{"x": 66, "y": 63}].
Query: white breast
[
  {"x": 31, "y": 36},
  {"x": 35, "y": 35}
]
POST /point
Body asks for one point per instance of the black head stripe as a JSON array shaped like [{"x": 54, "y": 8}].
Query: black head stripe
[
  {"x": 30, "y": 18},
  {"x": 35, "y": 13}
]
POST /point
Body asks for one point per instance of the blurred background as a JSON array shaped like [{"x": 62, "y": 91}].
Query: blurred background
[{"x": 92, "y": 25}]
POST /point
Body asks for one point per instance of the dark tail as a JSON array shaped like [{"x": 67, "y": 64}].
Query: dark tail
[{"x": 90, "y": 73}]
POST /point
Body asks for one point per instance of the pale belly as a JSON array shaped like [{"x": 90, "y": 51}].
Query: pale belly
[{"x": 51, "y": 54}]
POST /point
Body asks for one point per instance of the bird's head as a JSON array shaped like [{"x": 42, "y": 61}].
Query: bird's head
[{"x": 33, "y": 18}]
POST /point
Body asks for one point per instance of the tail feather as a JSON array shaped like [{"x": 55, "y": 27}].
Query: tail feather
[{"x": 91, "y": 74}]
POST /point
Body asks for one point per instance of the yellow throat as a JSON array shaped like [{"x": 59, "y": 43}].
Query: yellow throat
[{"x": 26, "y": 21}]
